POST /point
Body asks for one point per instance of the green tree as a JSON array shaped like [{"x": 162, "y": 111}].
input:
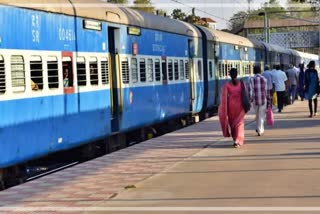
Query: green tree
[
  {"x": 161, "y": 12},
  {"x": 309, "y": 10},
  {"x": 178, "y": 14},
  {"x": 143, "y": 5},
  {"x": 238, "y": 20},
  {"x": 271, "y": 8}
]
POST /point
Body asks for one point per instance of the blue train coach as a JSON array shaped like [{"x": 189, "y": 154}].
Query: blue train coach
[{"x": 73, "y": 73}]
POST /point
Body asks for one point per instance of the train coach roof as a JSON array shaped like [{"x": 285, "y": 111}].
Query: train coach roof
[
  {"x": 308, "y": 55},
  {"x": 225, "y": 37},
  {"x": 100, "y": 10},
  {"x": 277, "y": 48}
]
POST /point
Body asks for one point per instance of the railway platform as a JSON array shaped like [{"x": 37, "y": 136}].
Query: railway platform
[{"x": 191, "y": 170}]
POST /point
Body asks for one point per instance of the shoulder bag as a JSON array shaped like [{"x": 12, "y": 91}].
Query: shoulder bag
[{"x": 245, "y": 98}]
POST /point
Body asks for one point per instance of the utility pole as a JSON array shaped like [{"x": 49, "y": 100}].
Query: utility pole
[
  {"x": 249, "y": 9},
  {"x": 266, "y": 26}
]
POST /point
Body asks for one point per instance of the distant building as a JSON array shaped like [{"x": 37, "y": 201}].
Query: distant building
[
  {"x": 210, "y": 22},
  {"x": 300, "y": 34}
]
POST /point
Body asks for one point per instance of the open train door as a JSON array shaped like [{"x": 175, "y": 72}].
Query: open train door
[
  {"x": 115, "y": 87},
  {"x": 216, "y": 74},
  {"x": 192, "y": 75}
]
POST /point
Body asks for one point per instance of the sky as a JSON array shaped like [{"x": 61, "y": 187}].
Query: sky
[{"x": 219, "y": 10}]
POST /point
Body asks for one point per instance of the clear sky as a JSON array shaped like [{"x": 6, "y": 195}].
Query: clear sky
[{"x": 219, "y": 10}]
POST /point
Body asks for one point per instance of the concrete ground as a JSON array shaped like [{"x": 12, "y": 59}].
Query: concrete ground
[{"x": 276, "y": 172}]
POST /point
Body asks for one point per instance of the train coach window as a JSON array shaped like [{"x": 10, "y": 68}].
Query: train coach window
[
  {"x": 81, "y": 71},
  {"x": 67, "y": 71},
  {"x": 186, "y": 67},
  {"x": 181, "y": 70},
  {"x": 104, "y": 71},
  {"x": 36, "y": 73},
  {"x": 18, "y": 73},
  {"x": 170, "y": 69},
  {"x": 226, "y": 71},
  {"x": 134, "y": 70},
  {"x": 164, "y": 71},
  {"x": 2, "y": 76},
  {"x": 200, "y": 69},
  {"x": 93, "y": 68},
  {"x": 220, "y": 70},
  {"x": 176, "y": 70},
  {"x": 125, "y": 70},
  {"x": 210, "y": 69},
  {"x": 229, "y": 68},
  {"x": 150, "y": 70},
  {"x": 142, "y": 64},
  {"x": 53, "y": 77},
  {"x": 157, "y": 70}
]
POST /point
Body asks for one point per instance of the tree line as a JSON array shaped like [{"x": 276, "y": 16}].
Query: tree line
[
  {"x": 146, "y": 6},
  {"x": 274, "y": 10}
]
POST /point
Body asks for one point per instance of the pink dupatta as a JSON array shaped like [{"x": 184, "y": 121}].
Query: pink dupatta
[{"x": 223, "y": 112}]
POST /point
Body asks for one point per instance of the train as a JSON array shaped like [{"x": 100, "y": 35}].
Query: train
[{"x": 73, "y": 72}]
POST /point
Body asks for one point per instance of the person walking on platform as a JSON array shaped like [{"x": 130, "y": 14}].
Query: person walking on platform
[
  {"x": 268, "y": 75},
  {"x": 231, "y": 113},
  {"x": 301, "y": 81},
  {"x": 258, "y": 92},
  {"x": 293, "y": 81},
  {"x": 312, "y": 87},
  {"x": 280, "y": 82}
]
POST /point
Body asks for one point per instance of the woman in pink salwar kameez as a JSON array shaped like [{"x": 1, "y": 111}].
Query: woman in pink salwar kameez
[{"x": 231, "y": 112}]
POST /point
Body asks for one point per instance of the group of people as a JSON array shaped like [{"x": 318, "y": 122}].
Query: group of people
[{"x": 260, "y": 90}]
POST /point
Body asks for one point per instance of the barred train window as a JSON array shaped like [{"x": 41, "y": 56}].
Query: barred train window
[
  {"x": 142, "y": 64},
  {"x": 220, "y": 69},
  {"x": 81, "y": 71},
  {"x": 200, "y": 69},
  {"x": 134, "y": 70},
  {"x": 53, "y": 77},
  {"x": 125, "y": 70},
  {"x": 226, "y": 71},
  {"x": 164, "y": 71},
  {"x": 104, "y": 71},
  {"x": 186, "y": 67},
  {"x": 176, "y": 70},
  {"x": 210, "y": 70},
  {"x": 93, "y": 66},
  {"x": 18, "y": 74},
  {"x": 157, "y": 70},
  {"x": 170, "y": 69},
  {"x": 2, "y": 76},
  {"x": 150, "y": 70},
  {"x": 36, "y": 73},
  {"x": 181, "y": 70}
]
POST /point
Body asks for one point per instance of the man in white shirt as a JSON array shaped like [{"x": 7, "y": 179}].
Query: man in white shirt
[{"x": 280, "y": 85}]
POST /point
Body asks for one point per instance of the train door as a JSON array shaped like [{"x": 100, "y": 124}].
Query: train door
[
  {"x": 192, "y": 74},
  {"x": 116, "y": 87}
]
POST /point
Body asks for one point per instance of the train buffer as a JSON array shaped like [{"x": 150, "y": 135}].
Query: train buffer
[{"x": 191, "y": 170}]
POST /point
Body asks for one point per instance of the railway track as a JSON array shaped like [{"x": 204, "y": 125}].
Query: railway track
[{"x": 60, "y": 161}]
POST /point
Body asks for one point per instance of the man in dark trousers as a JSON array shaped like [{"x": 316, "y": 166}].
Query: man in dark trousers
[{"x": 280, "y": 84}]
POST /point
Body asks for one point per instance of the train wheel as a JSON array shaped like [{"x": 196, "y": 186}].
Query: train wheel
[{"x": 2, "y": 186}]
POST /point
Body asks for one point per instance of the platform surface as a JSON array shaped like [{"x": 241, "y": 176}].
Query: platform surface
[{"x": 192, "y": 170}]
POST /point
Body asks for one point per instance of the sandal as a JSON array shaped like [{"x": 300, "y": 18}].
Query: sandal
[{"x": 235, "y": 145}]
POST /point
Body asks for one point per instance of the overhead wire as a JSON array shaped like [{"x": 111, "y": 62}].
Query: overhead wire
[{"x": 210, "y": 14}]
